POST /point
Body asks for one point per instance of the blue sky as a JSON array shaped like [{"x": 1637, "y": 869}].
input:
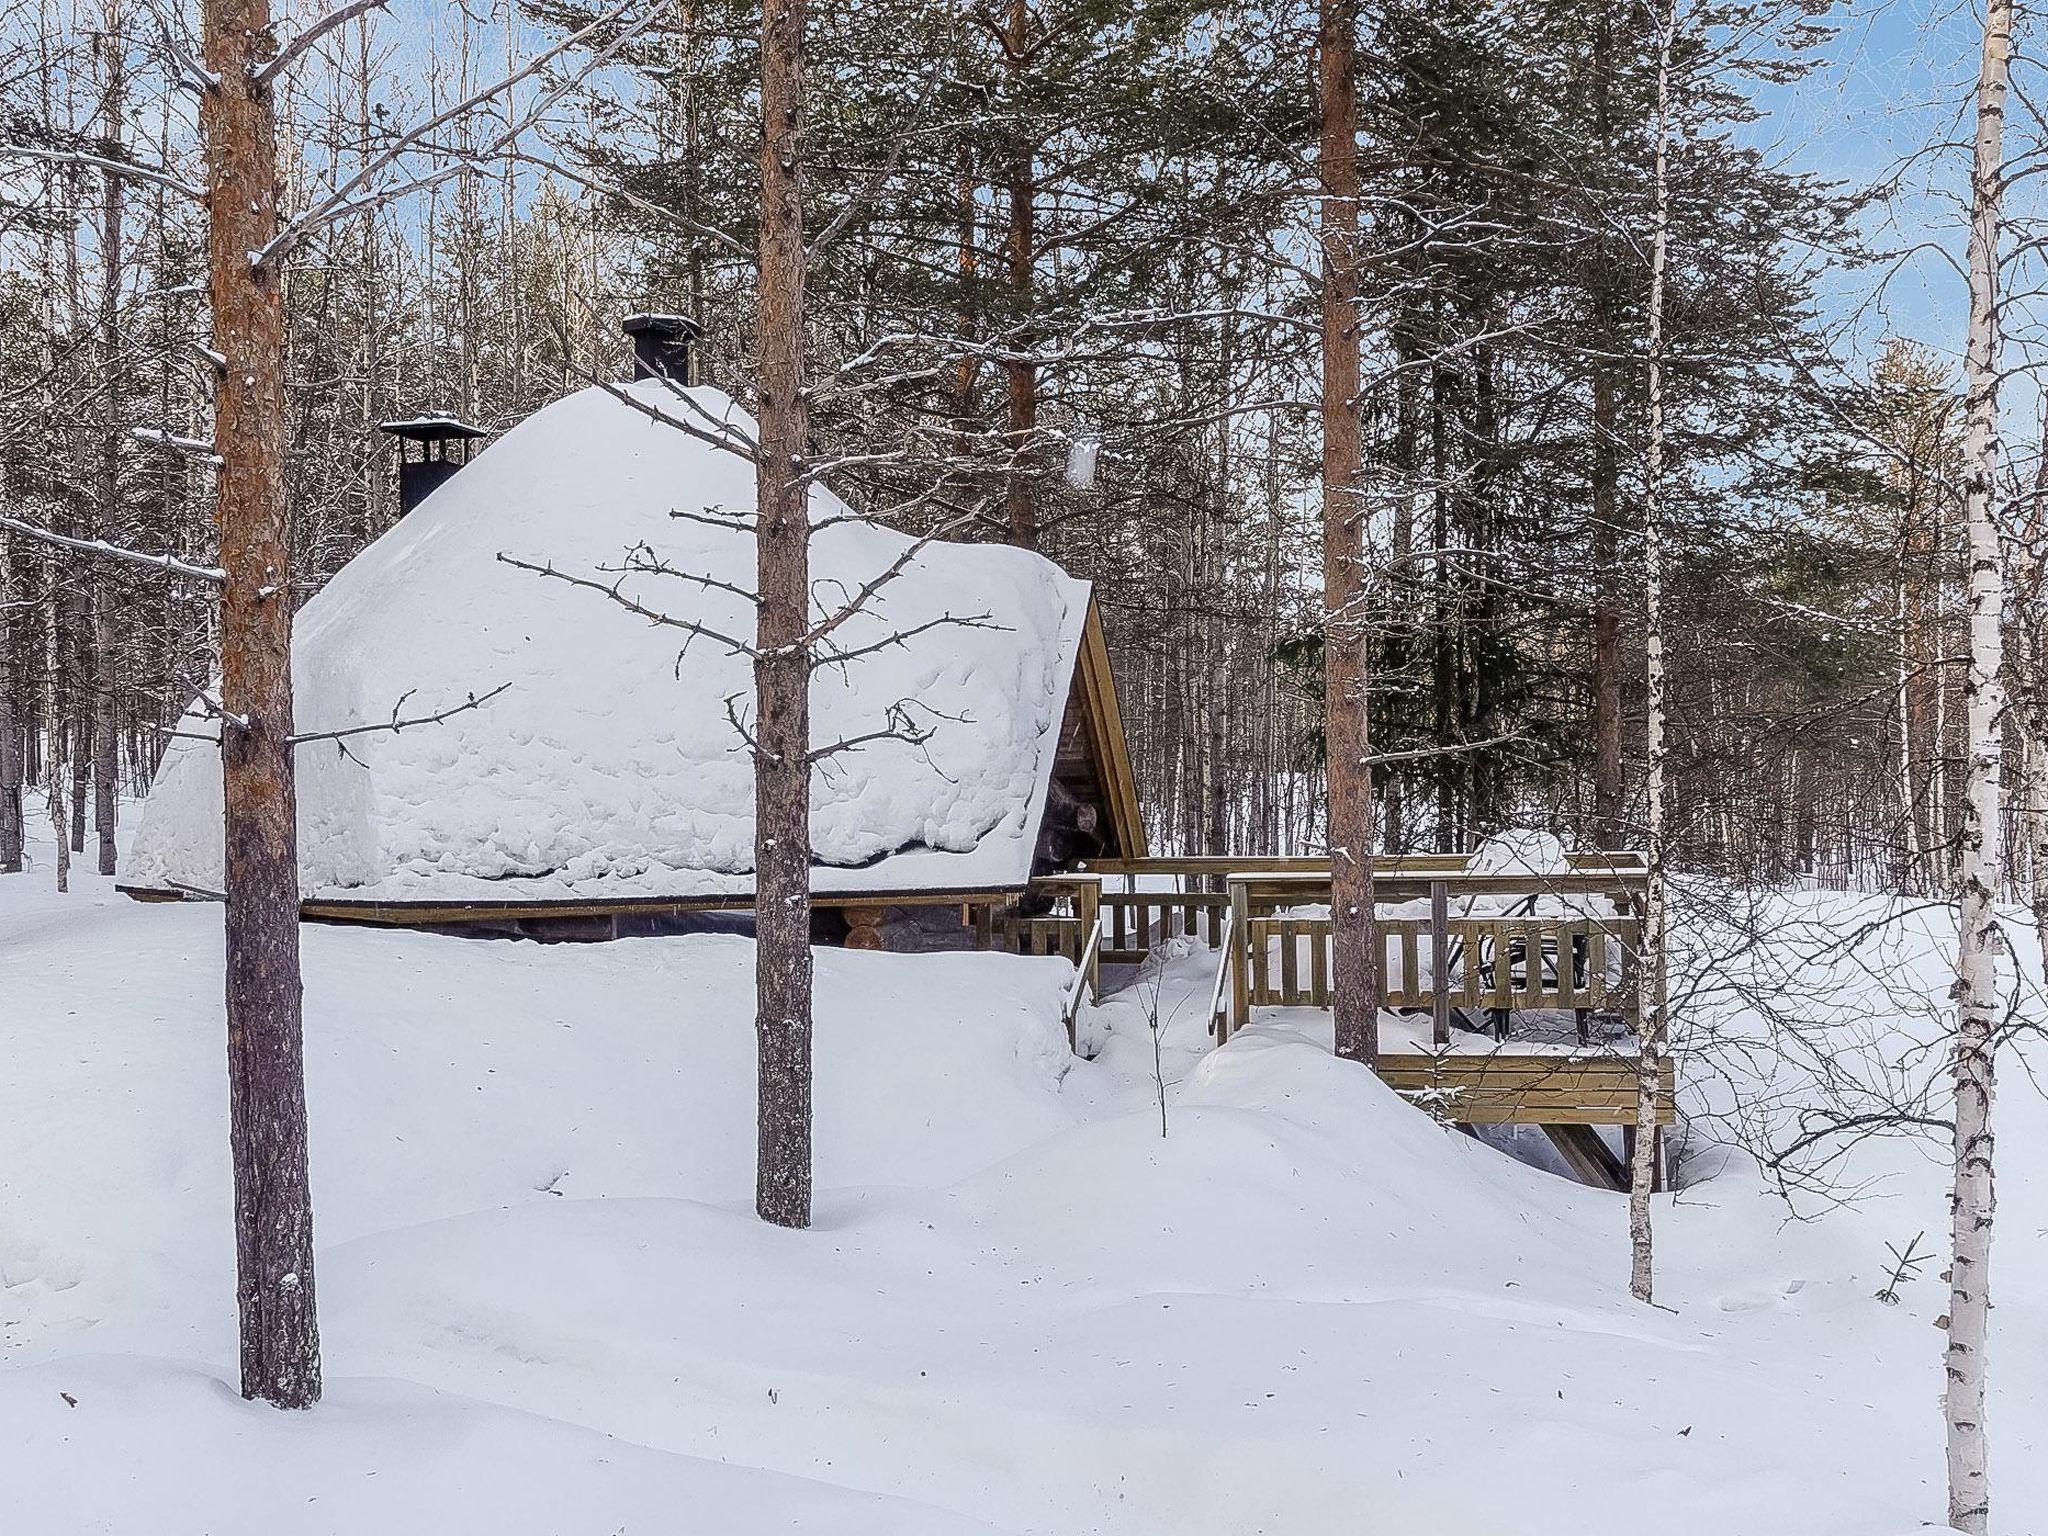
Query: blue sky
[{"x": 1897, "y": 77}]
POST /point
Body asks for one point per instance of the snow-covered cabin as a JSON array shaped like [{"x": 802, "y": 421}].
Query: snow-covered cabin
[{"x": 607, "y": 780}]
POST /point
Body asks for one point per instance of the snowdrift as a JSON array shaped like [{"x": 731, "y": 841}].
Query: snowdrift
[
  {"x": 608, "y": 766},
  {"x": 547, "y": 1307}
]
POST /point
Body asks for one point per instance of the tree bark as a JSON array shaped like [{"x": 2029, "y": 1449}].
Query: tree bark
[
  {"x": 12, "y": 829},
  {"x": 1976, "y": 988},
  {"x": 1651, "y": 1024},
  {"x": 113, "y": 213},
  {"x": 1020, "y": 491},
  {"x": 782, "y": 668},
  {"x": 280, "y": 1340},
  {"x": 1354, "y": 968},
  {"x": 1608, "y": 787}
]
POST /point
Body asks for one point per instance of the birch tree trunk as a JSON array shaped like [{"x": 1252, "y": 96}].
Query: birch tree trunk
[
  {"x": 12, "y": 829},
  {"x": 782, "y": 667},
  {"x": 1976, "y": 988},
  {"x": 1651, "y": 1023},
  {"x": 280, "y": 1337},
  {"x": 1020, "y": 491},
  {"x": 1354, "y": 968},
  {"x": 1608, "y": 782},
  {"x": 103, "y": 713}
]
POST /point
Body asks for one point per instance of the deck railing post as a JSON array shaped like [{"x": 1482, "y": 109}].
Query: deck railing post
[
  {"x": 1088, "y": 908},
  {"x": 1241, "y": 942},
  {"x": 1439, "y": 963}
]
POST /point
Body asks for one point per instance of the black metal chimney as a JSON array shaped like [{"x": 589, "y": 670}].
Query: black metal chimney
[
  {"x": 664, "y": 346},
  {"x": 444, "y": 447}
]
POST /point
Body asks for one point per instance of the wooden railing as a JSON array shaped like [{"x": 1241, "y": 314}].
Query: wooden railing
[
  {"x": 1276, "y": 948},
  {"x": 1140, "y": 919},
  {"x": 1074, "y": 934},
  {"x": 1501, "y": 963}
]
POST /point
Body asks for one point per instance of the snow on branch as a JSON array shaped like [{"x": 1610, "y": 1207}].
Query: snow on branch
[
  {"x": 1416, "y": 754},
  {"x": 170, "y": 563},
  {"x": 102, "y": 163},
  {"x": 289, "y": 53},
  {"x": 158, "y": 437},
  {"x": 183, "y": 53}
]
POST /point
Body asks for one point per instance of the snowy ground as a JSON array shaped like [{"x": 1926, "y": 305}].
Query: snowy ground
[{"x": 547, "y": 1308}]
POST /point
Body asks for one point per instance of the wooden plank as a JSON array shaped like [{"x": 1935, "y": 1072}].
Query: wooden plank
[
  {"x": 1590, "y": 1159},
  {"x": 1290, "y": 992},
  {"x": 1501, "y": 1089},
  {"x": 1318, "y": 962},
  {"x": 1240, "y": 936},
  {"x": 1106, "y": 732},
  {"x": 1439, "y": 964},
  {"x": 1532, "y": 993}
]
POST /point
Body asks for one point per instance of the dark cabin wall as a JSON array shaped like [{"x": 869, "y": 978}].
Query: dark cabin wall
[{"x": 1077, "y": 822}]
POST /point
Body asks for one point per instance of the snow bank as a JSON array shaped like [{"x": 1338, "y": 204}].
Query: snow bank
[
  {"x": 608, "y": 767},
  {"x": 547, "y": 1307}
]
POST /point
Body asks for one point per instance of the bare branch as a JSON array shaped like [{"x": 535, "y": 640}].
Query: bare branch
[
  {"x": 395, "y": 724},
  {"x": 101, "y": 163},
  {"x": 652, "y": 615},
  {"x": 901, "y": 636},
  {"x": 171, "y": 563},
  {"x": 346, "y": 197},
  {"x": 289, "y": 53}
]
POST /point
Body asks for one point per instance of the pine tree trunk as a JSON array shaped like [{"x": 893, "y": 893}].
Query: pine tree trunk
[
  {"x": 1976, "y": 989},
  {"x": 1354, "y": 968},
  {"x": 1651, "y": 1023},
  {"x": 782, "y": 669},
  {"x": 266, "y": 1083}
]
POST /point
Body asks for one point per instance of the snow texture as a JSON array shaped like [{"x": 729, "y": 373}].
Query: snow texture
[
  {"x": 548, "y": 1310},
  {"x": 608, "y": 768}
]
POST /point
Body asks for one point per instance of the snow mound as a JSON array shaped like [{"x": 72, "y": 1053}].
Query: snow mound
[{"x": 609, "y": 767}]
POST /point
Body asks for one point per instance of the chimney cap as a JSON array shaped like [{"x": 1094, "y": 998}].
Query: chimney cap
[
  {"x": 432, "y": 429},
  {"x": 662, "y": 327}
]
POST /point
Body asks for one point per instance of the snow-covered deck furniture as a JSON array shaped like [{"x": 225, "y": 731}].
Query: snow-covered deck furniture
[{"x": 601, "y": 779}]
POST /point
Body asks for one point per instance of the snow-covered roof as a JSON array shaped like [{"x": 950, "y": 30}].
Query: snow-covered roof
[{"x": 608, "y": 768}]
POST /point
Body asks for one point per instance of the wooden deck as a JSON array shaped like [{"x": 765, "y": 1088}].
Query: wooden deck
[
  {"x": 1484, "y": 969},
  {"x": 1508, "y": 1088}
]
